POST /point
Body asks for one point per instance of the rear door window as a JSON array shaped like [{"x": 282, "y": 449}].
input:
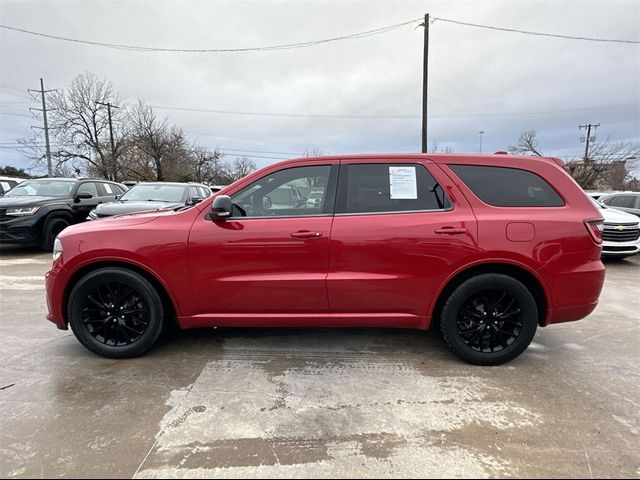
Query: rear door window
[
  {"x": 624, "y": 201},
  {"x": 389, "y": 187},
  {"x": 88, "y": 187},
  {"x": 508, "y": 187}
]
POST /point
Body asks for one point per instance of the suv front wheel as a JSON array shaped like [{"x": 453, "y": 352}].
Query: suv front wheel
[
  {"x": 489, "y": 319},
  {"x": 50, "y": 231},
  {"x": 115, "y": 312}
]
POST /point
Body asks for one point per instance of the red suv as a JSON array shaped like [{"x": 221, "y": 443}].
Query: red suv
[{"x": 485, "y": 248}]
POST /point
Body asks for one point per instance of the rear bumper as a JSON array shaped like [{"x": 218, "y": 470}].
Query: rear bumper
[
  {"x": 572, "y": 313},
  {"x": 575, "y": 293}
]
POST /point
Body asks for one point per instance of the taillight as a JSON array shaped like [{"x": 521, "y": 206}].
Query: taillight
[{"x": 595, "y": 228}]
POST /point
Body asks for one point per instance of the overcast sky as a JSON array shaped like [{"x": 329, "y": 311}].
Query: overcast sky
[{"x": 501, "y": 83}]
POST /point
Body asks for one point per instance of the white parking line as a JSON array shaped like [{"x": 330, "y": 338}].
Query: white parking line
[
  {"x": 24, "y": 261},
  {"x": 28, "y": 282}
]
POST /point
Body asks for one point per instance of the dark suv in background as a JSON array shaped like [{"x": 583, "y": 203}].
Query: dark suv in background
[{"x": 35, "y": 211}]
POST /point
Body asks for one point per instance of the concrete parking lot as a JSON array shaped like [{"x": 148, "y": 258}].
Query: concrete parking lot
[{"x": 317, "y": 403}]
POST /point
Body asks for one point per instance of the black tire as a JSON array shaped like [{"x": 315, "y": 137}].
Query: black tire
[
  {"x": 107, "y": 305},
  {"x": 475, "y": 328},
  {"x": 50, "y": 231}
]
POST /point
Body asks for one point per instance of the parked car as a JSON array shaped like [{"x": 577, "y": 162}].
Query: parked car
[
  {"x": 35, "y": 211},
  {"x": 626, "y": 201},
  {"x": 483, "y": 248},
  {"x": 148, "y": 196},
  {"x": 621, "y": 234},
  {"x": 7, "y": 183},
  {"x": 596, "y": 194},
  {"x": 315, "y": 198}
]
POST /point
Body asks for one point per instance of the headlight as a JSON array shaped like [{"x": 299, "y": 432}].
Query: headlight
[
  {"x": 22, "y": 211},
  {"x": 92, "y": 215},
  {"x": 57, "y": 249}
]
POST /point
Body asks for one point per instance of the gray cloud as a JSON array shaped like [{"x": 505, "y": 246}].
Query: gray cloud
[{"x": 472, "y": 71}]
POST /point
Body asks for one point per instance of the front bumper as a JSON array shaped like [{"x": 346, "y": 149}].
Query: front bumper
[
  {"x": 55, "y": 281},
  {"x": 18, "y": 229},
  {"x": 620, "y": 249}
]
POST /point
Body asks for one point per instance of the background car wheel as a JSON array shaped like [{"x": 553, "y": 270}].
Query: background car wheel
[
  {"x": 116, "y": 313},
  {"x": 51, "y": 229},
  {"x": 489, "y": 319}
]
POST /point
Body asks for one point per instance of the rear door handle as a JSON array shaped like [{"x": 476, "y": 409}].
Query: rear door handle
[
  {"x": 306, "y": 234},
  {"x": 451, "y": 231}
]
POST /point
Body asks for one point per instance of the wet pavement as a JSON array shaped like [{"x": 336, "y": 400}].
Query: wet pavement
[{"x": 320, "y": 402}]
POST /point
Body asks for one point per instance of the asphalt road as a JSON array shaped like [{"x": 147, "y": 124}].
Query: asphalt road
[{"x": 317, "y": 403}]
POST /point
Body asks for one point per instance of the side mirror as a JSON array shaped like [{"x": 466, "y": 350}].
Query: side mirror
[
  {"x": 220, "y": 208},
  {"x": 82, "y": 196},
  {"x": 266, "y": 203},
  {"x": 195, "y": 200}
]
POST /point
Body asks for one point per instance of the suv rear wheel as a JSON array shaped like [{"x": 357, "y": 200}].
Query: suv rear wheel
[
  {"x": 116, "y": 313},
  {"x": 489, "y": 319}
]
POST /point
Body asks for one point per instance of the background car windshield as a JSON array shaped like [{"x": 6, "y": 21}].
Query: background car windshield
[
  {"x": 158, "y": 193},
  {"x": 42, "y": 188}
]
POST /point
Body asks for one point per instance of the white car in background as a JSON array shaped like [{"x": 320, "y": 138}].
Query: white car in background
[
  {"x": 621, "y": 234},
  {"x": 7, "y": 183}
]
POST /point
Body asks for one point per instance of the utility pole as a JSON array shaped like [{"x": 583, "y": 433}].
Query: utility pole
[
  {"x": 113, "y": 145},
  {"x": 425, "y": 71},
  {"x": 481, "y": 132},
  {"x": 588, "y": 139},
  {"x": 42, "y": 91}
]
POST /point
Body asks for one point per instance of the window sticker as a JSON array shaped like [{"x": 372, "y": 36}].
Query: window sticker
[{"x": 402, "y": 183}]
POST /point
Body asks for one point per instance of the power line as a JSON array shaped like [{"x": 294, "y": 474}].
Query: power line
[
  {"x": 540, "y": 34},
  {"x": 287, "y": 46},
  {"x": 396, "y": 117},
  {"x": 16, "y": 114}
]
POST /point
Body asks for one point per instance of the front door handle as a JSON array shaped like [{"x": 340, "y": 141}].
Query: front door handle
[
  {"x": 451, "y": 231},
  {"x": 306, "y": 234}
]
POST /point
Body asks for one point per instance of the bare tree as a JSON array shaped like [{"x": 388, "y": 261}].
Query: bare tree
[
  {"x": 80, "y": 126},
  {"x": 609, "y": 165},
  {"x": 241, "y": 167},
  {"x": 314, "y": 152},
  {"x": 527, "y": 144},
  {"x": 435, "y": 148},
  {"x": 158, "y": 150},
  {"x": 207, "y": 165}
]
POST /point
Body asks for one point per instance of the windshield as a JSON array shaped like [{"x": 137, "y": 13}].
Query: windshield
[
  {"x": 154, "y": 193},
  {"x": 598, "y": 205},
  {"x": 42, "y": 188}
]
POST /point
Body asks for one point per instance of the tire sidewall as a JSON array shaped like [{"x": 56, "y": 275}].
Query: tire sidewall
[
  {"x": 449, "y": 328},
  {"x": 51, "y": 226},
  {"x": 132, "y": 279}
]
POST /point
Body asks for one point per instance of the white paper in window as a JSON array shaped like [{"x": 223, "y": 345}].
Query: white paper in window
[{"x": 402, "y": 183}]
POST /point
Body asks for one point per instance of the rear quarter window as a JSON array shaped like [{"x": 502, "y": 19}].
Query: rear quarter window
[{"x": 508, "y": 187}]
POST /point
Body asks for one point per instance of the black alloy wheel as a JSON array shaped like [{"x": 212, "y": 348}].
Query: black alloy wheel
[
  {"x": 116, "y": 312},
  {"x": 489, "y": 319}
]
